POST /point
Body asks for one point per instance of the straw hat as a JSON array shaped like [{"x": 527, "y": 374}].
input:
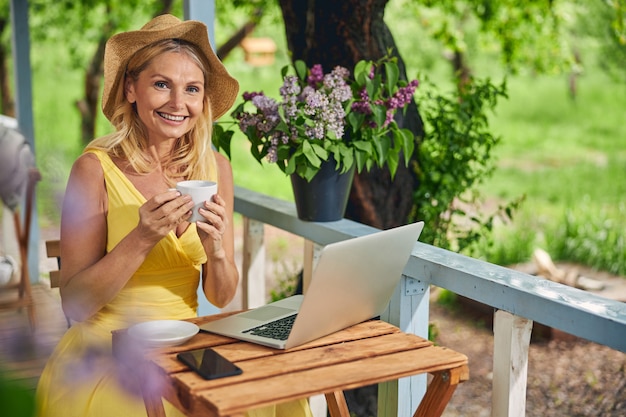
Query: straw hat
[{"x": 222, "y": 88}]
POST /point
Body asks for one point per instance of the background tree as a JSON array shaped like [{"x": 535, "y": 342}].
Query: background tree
[
  {"x": 527, "y": 35},
  {"x": 605, "y": 22},
  {"x": 73, "y": 24}
]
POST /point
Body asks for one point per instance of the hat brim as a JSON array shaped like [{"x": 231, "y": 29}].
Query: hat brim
[{"x": 222, "y": 89}]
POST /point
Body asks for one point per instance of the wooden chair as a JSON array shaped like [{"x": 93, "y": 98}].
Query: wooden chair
[
  {"x": 53, "y": 250},
  {"x": 22, "y": 233}
]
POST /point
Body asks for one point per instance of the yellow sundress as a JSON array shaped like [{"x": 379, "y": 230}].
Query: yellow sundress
[{"x": 81, "y": 379}]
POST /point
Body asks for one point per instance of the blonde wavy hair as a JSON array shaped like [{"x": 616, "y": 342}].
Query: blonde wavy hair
[{"x": 192, "y": 156}]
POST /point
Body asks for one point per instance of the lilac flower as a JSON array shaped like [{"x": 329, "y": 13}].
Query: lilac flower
[
  {"x": 316, "y": 131},
  {"x": 316, "y": 76},
  {"x": 362, "y": 105},
  {"x": 272, "y": 153},
  {"x": 290, "y": 86},
  {"x": 403, "y": 96},
  {"x": 316, "y": 108},
  {"x": 265, "y": 104},
  {"x": 249, "y": 96}
]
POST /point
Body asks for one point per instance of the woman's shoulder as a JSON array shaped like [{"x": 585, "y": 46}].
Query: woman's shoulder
[
  {"x": 86, "y": 181},
  {"x": 88, "y": 163}
]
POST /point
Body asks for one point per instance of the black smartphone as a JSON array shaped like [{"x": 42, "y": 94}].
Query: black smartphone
[{"x": 208, "y": 363}]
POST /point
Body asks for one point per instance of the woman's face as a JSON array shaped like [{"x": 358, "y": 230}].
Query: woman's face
[{"x": 168, "y": 96}]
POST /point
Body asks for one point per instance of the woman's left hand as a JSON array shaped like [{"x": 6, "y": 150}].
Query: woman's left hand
[{"x": 211, "y": 232}]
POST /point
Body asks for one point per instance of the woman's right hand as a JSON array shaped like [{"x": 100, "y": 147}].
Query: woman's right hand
[{"x": 162, "y": 214}]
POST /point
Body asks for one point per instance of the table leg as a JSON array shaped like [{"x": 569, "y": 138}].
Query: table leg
[
  {"x": 151, "y": 396},
  {"x": 154, "y": 406},
  {"x": 337, "y": 405},
  {"x": 440, "y": 391}
]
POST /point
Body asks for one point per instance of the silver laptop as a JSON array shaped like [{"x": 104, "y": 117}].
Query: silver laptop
[{"x": 353, "y": 282}]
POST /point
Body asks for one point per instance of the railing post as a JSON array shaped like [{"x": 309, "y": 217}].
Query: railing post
[
  {"x": 253, "y": 264},
  {"x": 408, "y": 310},
  {"x": 510, "y": 364}
]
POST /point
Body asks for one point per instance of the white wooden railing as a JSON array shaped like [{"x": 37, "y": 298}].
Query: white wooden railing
[{"x": 517, "y": 298}]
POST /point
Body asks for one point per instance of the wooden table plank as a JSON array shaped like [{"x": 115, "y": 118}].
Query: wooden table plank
[
  {"x": 255, "y": 367},
  {"x": 338, "y": 377}
]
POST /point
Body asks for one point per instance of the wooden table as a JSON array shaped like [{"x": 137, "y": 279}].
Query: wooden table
[{"x": 364, "y": 354}]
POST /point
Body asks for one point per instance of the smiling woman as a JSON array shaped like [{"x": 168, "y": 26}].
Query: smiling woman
[
  {"x": 130, "y": 252},
  {"x": 168, "y": 95}
]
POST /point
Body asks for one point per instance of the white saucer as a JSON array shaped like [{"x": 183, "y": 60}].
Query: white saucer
[{"x": 159, "y": 333}]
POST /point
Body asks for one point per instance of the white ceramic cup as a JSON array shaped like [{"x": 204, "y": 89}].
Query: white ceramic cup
[{"x": 200, "y": 191}]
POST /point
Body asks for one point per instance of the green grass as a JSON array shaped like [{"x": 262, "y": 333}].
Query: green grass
[
  {"x": 568, "y": 158},
  {"x": 549, "y": 141}
]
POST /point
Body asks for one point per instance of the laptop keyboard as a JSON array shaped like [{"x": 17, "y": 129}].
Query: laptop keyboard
[{"x": 277, "y": 329}]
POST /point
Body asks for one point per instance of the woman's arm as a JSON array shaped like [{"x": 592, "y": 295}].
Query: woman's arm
[
  {"x": 220, "y": 276},
  {"x": 91, "y": 277}
]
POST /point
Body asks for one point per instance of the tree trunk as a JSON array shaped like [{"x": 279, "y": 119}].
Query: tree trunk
[
  {"x": 331, "y": 33},
  {"x": 232, "y": 42},
  {"x": 462, "y": 71},
  {"x": 88, "y": 106}
]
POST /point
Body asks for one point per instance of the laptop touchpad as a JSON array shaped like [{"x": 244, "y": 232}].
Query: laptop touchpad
[{"x": 266, "y": 313}]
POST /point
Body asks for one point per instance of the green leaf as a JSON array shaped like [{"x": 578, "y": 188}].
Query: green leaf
[
  {"x": 291, "y": 166},
  {"x": 392, "y": 73},
  {"x": 382, "y": 145},
  {"x": 392, "y": 162},
  {"x": 380, "y": 114},
  {"x": 301, "y": 69},
  {"x": 408, "y": 143},
  {"x": 258, "y": 153},
  {"x": 319, "y": 151},
  {"x": 362, "y": 158},
  {"x": 307, "y": 172},
  {"x": 222, "y": 139},
  {"x": 347, "y": 158},
  {"x": 363, "y": 146},
  {"x": 361, "y": 72},
  {"x": 355, "y": 120},
  {"x": 371, "y": 87},
  {"x": 311, "y": 156}
]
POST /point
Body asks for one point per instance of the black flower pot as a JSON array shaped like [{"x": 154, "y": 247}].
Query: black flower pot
[{"x": 325, "y": 197}]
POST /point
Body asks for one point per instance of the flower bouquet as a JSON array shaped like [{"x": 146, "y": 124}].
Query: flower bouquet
[{"x": 336, "y": 116}]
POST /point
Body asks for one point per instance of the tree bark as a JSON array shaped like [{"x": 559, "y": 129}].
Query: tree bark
[
  {"x": 88, "y": 105},
  {"x": 232, "y": 42},
  {"x": 331, "y": 33},
  {"x": 462, "y": 71}
]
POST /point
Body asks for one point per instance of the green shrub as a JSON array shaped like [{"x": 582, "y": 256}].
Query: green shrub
[
  {"x": 592, "y": 238},
  {"x": 454, "y": 158}
]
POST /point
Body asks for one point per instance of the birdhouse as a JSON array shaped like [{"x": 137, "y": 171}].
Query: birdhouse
[{"x": 258, "y": 51}]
